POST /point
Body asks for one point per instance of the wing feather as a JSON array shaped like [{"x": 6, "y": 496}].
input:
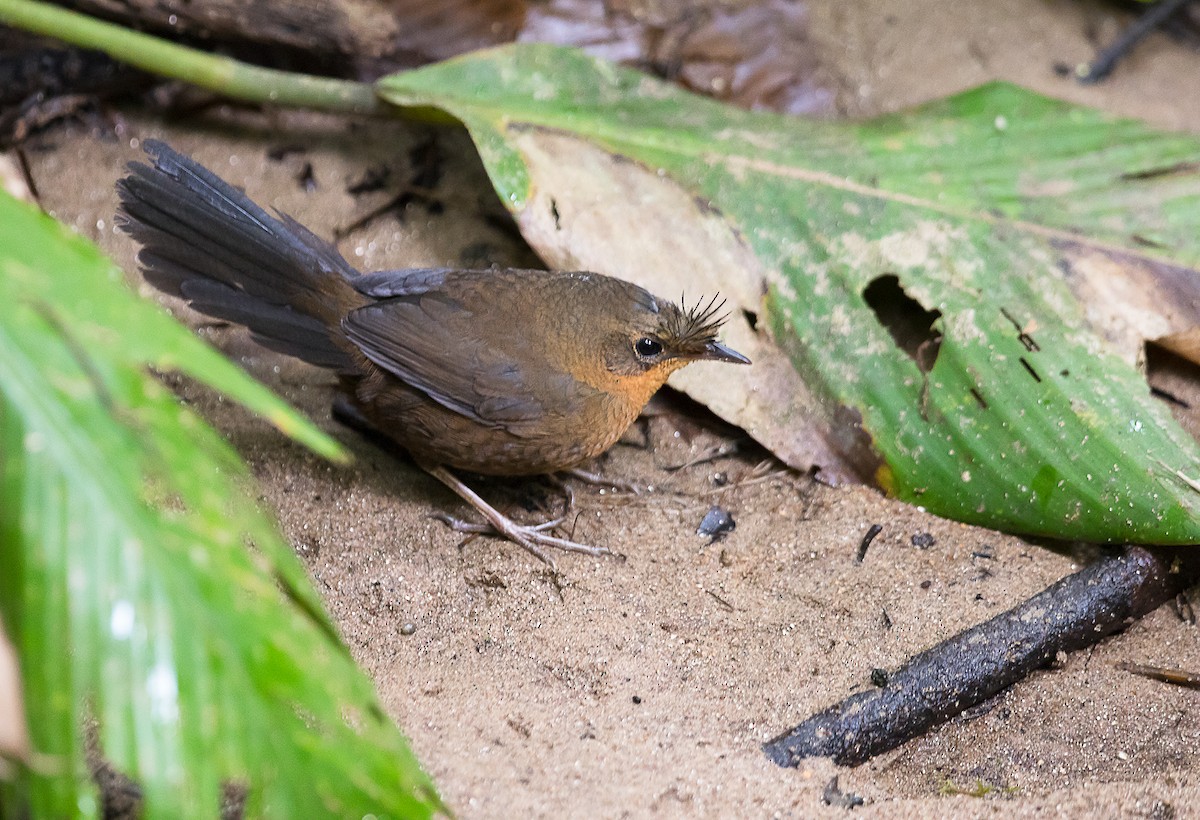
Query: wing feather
[{"x": 432, "y": 342}]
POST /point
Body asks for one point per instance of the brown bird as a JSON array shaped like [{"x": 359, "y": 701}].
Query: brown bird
[{"x": 498, "y": 372}]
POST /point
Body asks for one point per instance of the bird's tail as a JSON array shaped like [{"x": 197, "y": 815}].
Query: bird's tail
[{"x": 207, "y": 242}]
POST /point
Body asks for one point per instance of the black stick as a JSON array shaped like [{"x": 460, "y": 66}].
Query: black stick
[
  {"x": 969, "y": 668},
  {"x": 1152, "y": 18},
  {"x": 873, "y": 531}
]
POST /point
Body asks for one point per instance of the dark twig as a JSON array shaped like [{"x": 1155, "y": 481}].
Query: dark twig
[
  {"x": 974, "y": 665},
  {"x": 1178, "y": 677},
  {"x": 872, "y": 531},
  {"x": 1150, "y": 19}
]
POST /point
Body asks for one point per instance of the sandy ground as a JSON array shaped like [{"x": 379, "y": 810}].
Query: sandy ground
[{"x": 645, "y": 687}]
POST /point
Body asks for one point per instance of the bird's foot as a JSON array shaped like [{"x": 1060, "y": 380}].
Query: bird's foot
[
  {"x": 530, "y": 536},
  {"x": 533, "y": 537},
  {"x": 599, "y": 480},
  {"x": 473, "y": 528}
]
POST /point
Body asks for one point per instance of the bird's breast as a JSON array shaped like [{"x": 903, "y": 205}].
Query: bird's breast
[{"x": 574, "y": 426}]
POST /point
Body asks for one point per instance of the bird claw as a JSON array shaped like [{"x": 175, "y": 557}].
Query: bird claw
[
  {"x": 462, "y": 525},
  {"x": 473, "y": 528},
  {"x": 598, "y": 480},
  {"x": 533, "y": 537}
]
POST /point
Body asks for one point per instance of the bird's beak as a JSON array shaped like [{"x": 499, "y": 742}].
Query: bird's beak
[{"x": 717, "y": 352}]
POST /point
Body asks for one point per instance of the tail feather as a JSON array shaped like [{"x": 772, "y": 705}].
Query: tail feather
[
  {"x": 275, "y": 327},
  {"x": 209, "y": 243}
]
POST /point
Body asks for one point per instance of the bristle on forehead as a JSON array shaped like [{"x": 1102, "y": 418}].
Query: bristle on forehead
[{"x": 690, "y": 329}]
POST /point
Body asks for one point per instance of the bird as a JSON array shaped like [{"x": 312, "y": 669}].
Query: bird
[{"x": 496, "y": 372}]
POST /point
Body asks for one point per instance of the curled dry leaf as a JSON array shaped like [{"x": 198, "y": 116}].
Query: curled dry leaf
[
  {"x": 752, "y": 54},
  {"x": 1130, "y": 299},
  {"x": 313, "y": 27},
  {"x": 437, "y": 29}
]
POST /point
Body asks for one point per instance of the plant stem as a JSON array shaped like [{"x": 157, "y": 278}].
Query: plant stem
[{"x": 223, "y": 75}]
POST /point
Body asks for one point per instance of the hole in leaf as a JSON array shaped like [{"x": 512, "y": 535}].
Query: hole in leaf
[
  {"x": 1174, "y": 376},
  {"x": 1168, "y": 397},
  {"x": 906, "y": 319}
]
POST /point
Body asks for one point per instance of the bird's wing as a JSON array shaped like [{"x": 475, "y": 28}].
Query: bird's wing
[
  {"x": 432, "y": 342},
  {"x": 405, "y": 282}
]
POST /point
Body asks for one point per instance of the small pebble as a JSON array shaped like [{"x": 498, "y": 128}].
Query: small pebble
[
  {"x": 717, "y": 523},
  {"x": 923, "y": 540}
]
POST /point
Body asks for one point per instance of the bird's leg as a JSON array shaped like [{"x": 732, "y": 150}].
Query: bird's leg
[
  {"x": 471, "y": 528},
  {"x": 532, "y": 538},
  {"x": 597, "y": 480}
]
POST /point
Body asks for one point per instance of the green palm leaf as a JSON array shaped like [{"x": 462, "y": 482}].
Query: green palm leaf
[{"x": 142, "y": 587}]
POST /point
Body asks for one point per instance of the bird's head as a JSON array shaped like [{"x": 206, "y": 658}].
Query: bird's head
[{"x": 661, "y": 338}]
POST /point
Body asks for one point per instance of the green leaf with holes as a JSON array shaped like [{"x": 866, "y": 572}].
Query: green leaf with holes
[
  {"x": 157, "y": 613},
  {"x": 964, "y": 290}
]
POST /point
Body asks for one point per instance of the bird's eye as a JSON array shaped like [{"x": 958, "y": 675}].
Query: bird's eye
[{"x": 647, "y": 347}]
